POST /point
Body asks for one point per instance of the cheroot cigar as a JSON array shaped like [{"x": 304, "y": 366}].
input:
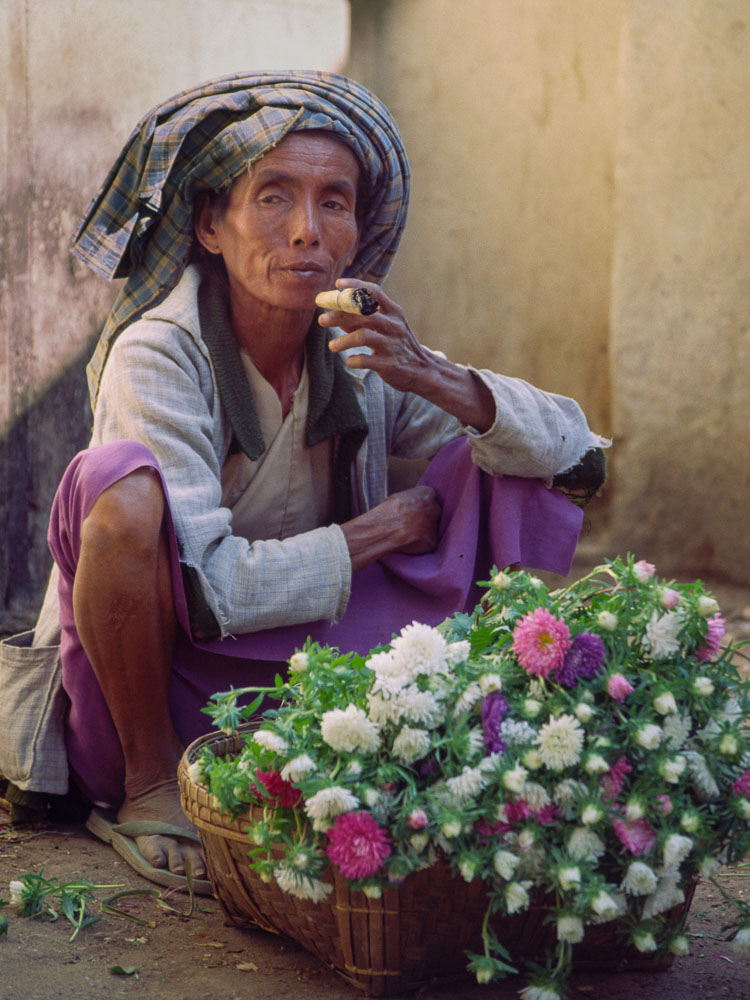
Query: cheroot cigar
[{"x": 348, "y": 300}]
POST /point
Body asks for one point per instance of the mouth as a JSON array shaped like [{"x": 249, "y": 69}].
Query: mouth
[{"x": 305, "y": 268}]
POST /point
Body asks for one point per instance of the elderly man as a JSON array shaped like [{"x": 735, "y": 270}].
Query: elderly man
[{"x": 236, "y": 481}]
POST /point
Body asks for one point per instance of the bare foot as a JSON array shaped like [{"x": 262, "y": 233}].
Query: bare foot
[{"x": 162, "y": 804}]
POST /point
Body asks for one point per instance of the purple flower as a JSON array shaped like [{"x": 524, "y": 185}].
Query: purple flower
[
  {"x": 584, "y": 659},
  {"x": 494, "y": 710}
]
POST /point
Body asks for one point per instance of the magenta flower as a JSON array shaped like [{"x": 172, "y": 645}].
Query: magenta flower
[
  {"x": 664, "y": 804},
  {"x": 619, "y": 687},
  {"x": 273, "y": 786},
  {"x": 714, "y": 635},
  {"x": 635, "y": 836},
  {"x": 417, "y": 819},
  {"x": 584, "y": 659},
  {"x": 540, "y": 641},
  {"x": 742, "y": 785},
  {"x": 612, "y": 782},
  {"x": 358, "y": 845}
]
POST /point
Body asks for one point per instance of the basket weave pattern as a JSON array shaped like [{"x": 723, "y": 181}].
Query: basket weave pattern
[{"x": 417, "y": 932}]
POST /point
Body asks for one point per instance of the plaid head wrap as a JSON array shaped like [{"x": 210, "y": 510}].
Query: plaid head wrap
[{"x": 140, "y": 225}]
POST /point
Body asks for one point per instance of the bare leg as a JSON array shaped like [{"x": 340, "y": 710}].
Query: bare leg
[{"x": 124, "y": 611}]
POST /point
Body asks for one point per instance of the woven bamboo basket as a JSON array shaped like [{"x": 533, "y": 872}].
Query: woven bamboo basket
[{"x": 416, "y": 933}]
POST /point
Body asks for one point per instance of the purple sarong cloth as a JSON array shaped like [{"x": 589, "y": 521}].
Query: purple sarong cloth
[{"x": 485, "y": 521}]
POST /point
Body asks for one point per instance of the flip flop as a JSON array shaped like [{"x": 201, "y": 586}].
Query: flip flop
[{"x": 121, "y": 836}]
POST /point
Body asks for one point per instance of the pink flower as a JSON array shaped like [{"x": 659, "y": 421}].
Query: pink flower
[
  {"x": 517, "y": 810},
  {"x": 714, "y": 635},
  {"x": 540, "y": 641},
  {"x": 273, "y": 786},
  {"x": 613, "y": 781},
  {"x": 619, "y": 687},
  {"x": 417, "y": 819},
  {"x": 742, "y": 785},
  {"x": 664, "y": 804},
  {"x": 635, "y": 836},
  {"x": 670, "y": 598},
  {"x": 643, "y": 570},
  {"x": 358, "y": 845}
]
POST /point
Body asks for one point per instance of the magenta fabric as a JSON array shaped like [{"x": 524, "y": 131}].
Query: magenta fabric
[{"x": 486, "y": 521}]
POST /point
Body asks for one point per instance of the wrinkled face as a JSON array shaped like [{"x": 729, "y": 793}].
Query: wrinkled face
[{"x": 290, "y": 226}]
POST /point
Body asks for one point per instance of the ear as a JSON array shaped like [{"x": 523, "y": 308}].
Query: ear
[{"x": 204, "y": 223}]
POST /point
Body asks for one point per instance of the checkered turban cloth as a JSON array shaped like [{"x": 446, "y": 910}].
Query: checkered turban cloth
[{"x": 140, "y": 225}]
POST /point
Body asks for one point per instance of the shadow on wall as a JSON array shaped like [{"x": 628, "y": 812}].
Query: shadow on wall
[{"x": 34, "y": 453}]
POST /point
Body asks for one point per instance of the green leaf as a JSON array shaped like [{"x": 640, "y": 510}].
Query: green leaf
[
  {"x": 3, "y": 926},
  {"x": 124, "y": 970}
]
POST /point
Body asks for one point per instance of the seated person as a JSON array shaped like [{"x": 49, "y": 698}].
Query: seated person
[{"x": 237, "y": 474}]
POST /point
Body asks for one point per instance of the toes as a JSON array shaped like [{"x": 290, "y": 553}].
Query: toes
[{"x": 155, "y": 850}]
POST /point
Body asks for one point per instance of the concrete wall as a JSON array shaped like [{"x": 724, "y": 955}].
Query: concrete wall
[
  {"x": 581, "y": 218},
  {"x": 77, "y": 77}
]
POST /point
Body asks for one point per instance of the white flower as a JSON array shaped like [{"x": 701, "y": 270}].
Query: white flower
[
  {"x": 299, "y": 662},
  {"x": 703, "y": 686},
  {"x": 475, "y": 743},
  {"x": 583, "y": 711},
  {"x": 349, "y": 729},
  {"x": 468, "y": 869},
  {"x": 420, "y": 706},
  {"x": 420, "y": 649},
  {"x": 708, "y": 867},
  {"x": 665, "y": 703},
  {"x": 489, "y": 683},
  {"x": 667, "y": 895},
  {"x": 585, "y": 845},
  {"x": 195, "y": 773},
  {"x": 517, "y": 732},
  {"x": 466, "y": 785},
  {"x": 517, "y": 896},
  {"x": 270, "y": 741},
  {"x": 457, "y": 652},
  {"x": 330, "y": 802},
  {"x": 514, "y": 779},
  {"x": 634, "y": 809},
  {"x": 372, "y": 890},
  {"x": 451, "y": 828},
  {"x": 299, "y": 885},
  {"x": 505, "y": 864},
  {"x": 639, "y": 880},
  {"x": 690, "y": 822},
  {"x": 660, "y": 640},
  {"x": 16, "y": 887},
  {"x": 467, "y": 700},
  {"x": 298, "y": 768},
  {"x": 643, "y": 571},
  {"x": 728, "y": 745},
  {"x": 707, "y": 606},
  {"x": 532, "y": 759},
  {"x": 501, "y": 581},
  {"x": 605, "y": 906},
  {"x": 419, "y": 841},
  {"x": 648, "y": 736},
  {"x": 644, "y": 941},
  {"x": 560, "y": 742},
  {"x": 595, "y": 764},
  {"x": 569, "y": 877},
  {"x": 569, "y": 928},
  {"x": 677, "y": 729},
  {"x": 491, "y": 764},
  {"x": 591, "y": 815},
  {"x": 679, "y": 945},
  {"x": 704, "y": 782},
  {"x": 672, "y": 769},
  {"x": 411, "y": 744},
  {"x": 676, "y": 849},
  {"x": 539, "y": 993},
  {"x": 526, "y": 839},
  {"x": 741, "y": 942},
  {"x": 532, "y": 707},
  {"x": 566, "y": 794},
  {"x": 536, "y": 795},
  {"x": 607, "y": 621}
]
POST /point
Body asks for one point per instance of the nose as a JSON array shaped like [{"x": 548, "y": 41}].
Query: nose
[{"x": 305, "y": 224}]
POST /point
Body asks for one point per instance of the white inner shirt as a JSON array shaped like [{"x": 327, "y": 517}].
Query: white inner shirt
[{"x": 288, "y": 490}]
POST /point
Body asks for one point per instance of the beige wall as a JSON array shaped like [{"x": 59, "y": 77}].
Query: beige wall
[
  {"x": 582, "y": 218},
  {"x": 509, "y": 115}
]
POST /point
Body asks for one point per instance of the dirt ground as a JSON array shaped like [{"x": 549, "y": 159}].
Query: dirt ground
[{"x": 198, "y": 957}]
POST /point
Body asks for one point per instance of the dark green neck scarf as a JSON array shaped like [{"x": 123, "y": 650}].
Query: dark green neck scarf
[{"x": 333, "y": 410}]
